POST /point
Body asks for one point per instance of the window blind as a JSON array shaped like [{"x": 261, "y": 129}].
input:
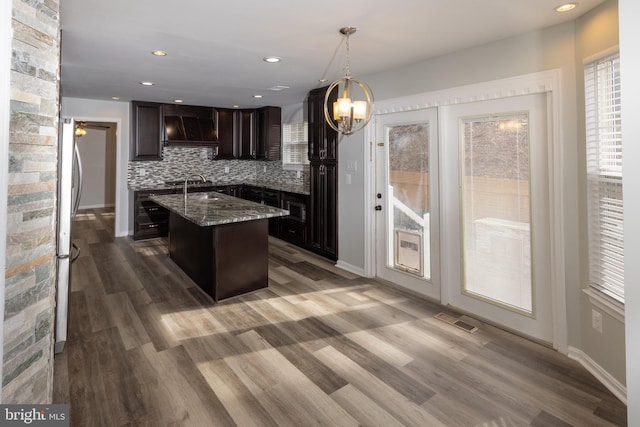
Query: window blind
[
  {"x": 604, "y": 176},
  {"x": 295, "y": 143}
]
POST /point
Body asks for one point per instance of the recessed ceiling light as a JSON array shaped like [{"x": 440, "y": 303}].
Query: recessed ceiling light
[
  {"x": 236, "y": 106},
  {"x": 115, "y": 98},
  {"x": 271, "y": 59},
  {"x": 279, "y": 88},
  {"x": 257, "y": 96},
  {"x": 323, "y": 80},
  {"x": 178, "y": 101},
  {"x": 566, "y": 7},
  {"x": 146, "y": 83},
  {"x": 159, "y": 53}
]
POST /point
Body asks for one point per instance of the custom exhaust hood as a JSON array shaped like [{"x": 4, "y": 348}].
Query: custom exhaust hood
[{"x": 187, "y": 130}]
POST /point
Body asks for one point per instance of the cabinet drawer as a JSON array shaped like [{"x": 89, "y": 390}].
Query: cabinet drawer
[
  {"x": 151, "y": 230},
  {"x": 293, "y": 231}
]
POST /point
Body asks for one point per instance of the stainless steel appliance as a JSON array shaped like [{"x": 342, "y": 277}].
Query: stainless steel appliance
[
  {"x": 69, "y": 189},
  {"x": 296, "y": 206}
]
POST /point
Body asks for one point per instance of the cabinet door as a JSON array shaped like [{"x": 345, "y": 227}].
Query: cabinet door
[
  {"x": 323, "y": 219},
  {"x": 315, "y": 121},
  {"x": 226, "y": 134},
  {"x": 146, "y": 131},
  {"x": 269, "y": 133},
  {"x": 322, "y": 138},
  {"x": 247, "y": 133}
]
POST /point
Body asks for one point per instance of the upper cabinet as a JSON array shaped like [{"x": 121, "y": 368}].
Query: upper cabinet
[
  {"x": 227, "y": 122},
  {"x": 269, "y": 133},
  {"x": 247, "y": 133},
  {"x": 146, "y": 131},
  {"x": 233, "y": 134},
  {"x": 322, "y": 139}
]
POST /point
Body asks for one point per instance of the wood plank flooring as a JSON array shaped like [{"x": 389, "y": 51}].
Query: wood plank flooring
[{"x": 319, "y": 347}]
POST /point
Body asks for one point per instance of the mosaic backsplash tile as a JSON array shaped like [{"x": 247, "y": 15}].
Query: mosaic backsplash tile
[{"x": 180, "y": 162}]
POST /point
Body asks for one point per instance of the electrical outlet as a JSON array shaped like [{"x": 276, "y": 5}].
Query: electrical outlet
[
  {"x": 142, "y": 172},
  {"x": 264, "y": 168},
  {"x": 348, "y": 179},
  {"x": 298, "y": 174},
  {"x": 596, "y": 320},
  {"x": 226, "y": 169}
]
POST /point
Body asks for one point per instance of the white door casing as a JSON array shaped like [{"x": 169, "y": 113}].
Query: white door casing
[{"x": 546, "y": 82}]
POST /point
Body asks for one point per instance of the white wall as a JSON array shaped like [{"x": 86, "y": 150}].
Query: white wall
[
  {"x": 96, "y": 151},
  {"x": 550, "y": 48},
  {"x": 109, "y": 111},
  {"x": 596, "y": 32},
  {"x": 629, "y": 14}
]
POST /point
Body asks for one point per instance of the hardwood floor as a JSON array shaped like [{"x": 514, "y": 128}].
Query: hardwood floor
[{"x": 320, "y": 347}]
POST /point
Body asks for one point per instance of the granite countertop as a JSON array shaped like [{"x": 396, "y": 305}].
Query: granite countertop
[
  {"x": 213, "y": 208},
  {"x": 290, "y": 188}
]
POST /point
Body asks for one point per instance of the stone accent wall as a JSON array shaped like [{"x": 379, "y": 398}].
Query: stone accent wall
[{"x": 27, "y": 370}]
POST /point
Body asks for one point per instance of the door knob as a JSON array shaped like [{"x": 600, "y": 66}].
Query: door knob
[{"x": 378, "y": 207}]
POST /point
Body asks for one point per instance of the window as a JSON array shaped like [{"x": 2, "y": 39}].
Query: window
[
  {"x": 295, "y": 145},
  {"x": 604, "y": 176}
]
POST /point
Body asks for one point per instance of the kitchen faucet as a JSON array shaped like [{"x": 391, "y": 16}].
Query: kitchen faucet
[{"x": 185, "y": 185}]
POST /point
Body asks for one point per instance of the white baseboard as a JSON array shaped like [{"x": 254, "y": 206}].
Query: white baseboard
[
  {"x": 99, "y": 206},
  {"x": 350, "y": 268},
  {"x": 614, "y": 386}
]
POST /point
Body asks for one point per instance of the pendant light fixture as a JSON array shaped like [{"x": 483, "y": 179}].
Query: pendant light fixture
[{"x": 352, "y": 111}]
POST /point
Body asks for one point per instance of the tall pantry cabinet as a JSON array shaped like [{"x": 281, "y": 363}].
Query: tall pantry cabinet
[{"x": 323, "y": 162}]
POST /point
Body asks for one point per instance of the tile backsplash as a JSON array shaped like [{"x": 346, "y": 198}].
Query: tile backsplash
[{"x": 179, "y": 162}]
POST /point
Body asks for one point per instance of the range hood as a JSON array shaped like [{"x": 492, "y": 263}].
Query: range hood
[{"x": 189, "y": 130}]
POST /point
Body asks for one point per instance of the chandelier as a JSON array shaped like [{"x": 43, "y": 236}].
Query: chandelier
[{"x": 352, "y": 110}]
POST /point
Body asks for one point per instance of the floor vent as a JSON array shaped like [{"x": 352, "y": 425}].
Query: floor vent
[{"x": 455, "y": 321}]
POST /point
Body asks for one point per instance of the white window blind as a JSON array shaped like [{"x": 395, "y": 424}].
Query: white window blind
[
  {"x": 295, "y": 144},
  {"x": 604, "y": 176}
]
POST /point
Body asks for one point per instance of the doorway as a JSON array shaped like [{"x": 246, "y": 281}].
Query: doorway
[{"x": 98, "y": 149}]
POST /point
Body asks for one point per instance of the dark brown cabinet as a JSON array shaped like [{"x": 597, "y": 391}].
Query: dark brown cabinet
[
  {"x": 227, "y": 122},
  {"x": 322, "y": 138},
  {"x": 323, "y": 156},
  {"x": 293, "y": 228},
  {"x": 250, "y": 134},
  {"x": 150, "y": 219},
  {"x": 146, "y": 131},
  {"x": 233, "y": 134},
  {"x": 246, "y": 133},
  {"x": 269, "y": 138}
]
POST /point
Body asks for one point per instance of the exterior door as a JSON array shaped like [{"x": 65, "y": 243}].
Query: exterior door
[
  {"x": 407, "y": 251},
  {"x": 495, "y": 154}
]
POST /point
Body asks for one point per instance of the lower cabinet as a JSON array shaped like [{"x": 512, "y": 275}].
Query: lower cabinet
[
  {"x": 323, "y": 209},
  {"x": 150, "y": 219}
]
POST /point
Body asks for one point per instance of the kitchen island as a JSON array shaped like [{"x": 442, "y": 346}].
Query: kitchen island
[{"x": 220, "y": 241}]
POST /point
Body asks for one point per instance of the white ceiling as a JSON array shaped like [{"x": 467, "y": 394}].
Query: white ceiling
[{"x": 215, "y": 48}]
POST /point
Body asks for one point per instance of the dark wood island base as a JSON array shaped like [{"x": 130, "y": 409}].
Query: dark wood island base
[{"x": 223, "y": 260}]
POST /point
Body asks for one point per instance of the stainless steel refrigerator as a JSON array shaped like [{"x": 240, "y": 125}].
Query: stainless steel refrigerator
[{"x": 69, "y": 190}]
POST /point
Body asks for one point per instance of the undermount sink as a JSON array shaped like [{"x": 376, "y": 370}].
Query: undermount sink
[{"x": 204, "y": 196}]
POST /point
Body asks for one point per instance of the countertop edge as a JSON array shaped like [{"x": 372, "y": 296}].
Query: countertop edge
[{"x": 201, "y": 208}]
